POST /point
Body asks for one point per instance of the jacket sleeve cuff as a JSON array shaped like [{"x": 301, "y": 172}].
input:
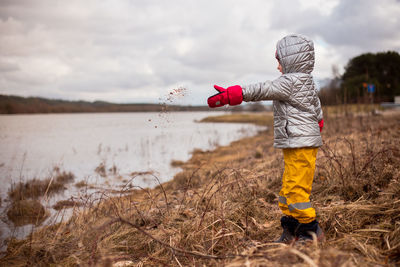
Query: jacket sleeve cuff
[{"x": 244, "y": 92}]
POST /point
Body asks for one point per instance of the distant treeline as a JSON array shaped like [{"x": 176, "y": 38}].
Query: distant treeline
[
  {"x": 20, "y": 105},
  {"x": 368, "y": 78}
]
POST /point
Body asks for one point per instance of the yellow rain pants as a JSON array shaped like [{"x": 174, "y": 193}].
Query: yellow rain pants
[{"x": 294, "y": 197}]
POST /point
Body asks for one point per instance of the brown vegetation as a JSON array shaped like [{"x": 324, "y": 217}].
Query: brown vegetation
[
  {"x": 262, "y": 119},
  {"x": 81, "y": 184},
  {"x": 103, "y": 172},
  {"x": 177, "y": 163},
  {"x": 38, "y": 188},
  {"x": 63, "y": 204},
  {"x": 25, "y": 208},
  {"x": 27, "y": 211},
  {"x": 221, "y": 209}
]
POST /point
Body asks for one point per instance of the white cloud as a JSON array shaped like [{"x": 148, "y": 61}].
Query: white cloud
[
  {"x": 324, "y": 7},
  {"x": 135, "y": 51}
]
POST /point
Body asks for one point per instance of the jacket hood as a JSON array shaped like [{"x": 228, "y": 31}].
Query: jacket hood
[{"x": 296, "y": 54}]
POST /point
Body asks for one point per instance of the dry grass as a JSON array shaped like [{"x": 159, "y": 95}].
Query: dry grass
[
  {"x": 63, "y": 204},
  {"x": 81, "y": 184},
  {"x": 34, "y": 188},
  {"x": 177, "y": 163},
  {"x": 38, "y": 188},
  {"x": 263, "y": 119},
  {"x": 351, "y": 109},
  {"x": 221, "y": 209},
  {"x": 103, "y": 172},
  {"x": 101, "y": 169},
  {"x": 64, "y": 177},
  {"x": 25, "y": 208},
  {"x": 27, "y": 211}
]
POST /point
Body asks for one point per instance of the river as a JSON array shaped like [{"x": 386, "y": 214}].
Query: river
[{"x": 33, "y": 146}]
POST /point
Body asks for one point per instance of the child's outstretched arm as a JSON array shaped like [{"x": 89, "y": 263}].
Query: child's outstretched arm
[{"x": 278, "y": 89}]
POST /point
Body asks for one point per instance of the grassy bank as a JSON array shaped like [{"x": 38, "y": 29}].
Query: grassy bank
[
  {"x": 262, "y": 119},
  {"x": 221, "y": 210}
]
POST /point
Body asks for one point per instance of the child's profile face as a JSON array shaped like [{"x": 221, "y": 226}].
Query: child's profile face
[{"x": 280, "y": 67}]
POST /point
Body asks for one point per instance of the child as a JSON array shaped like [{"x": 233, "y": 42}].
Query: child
[{"x": 297, "y": 125}]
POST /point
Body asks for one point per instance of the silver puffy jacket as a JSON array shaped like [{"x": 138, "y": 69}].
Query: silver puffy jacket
[{"x": 297, "y": 109}]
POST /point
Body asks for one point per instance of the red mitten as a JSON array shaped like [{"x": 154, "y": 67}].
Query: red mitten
[
  {"x": 321, "y": 125},
  {"x": 220, "y": 99},
  {"x": 232, "y": 95}
]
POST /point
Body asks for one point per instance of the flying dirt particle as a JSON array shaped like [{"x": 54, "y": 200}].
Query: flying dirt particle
[
  {"x": 168, "y": 99},
  {"x": 149, "y": 120},
  {"x": 177, "y": 92}
]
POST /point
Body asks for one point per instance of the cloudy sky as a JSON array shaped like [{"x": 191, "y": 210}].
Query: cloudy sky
[{"x": 138, "y": 51}]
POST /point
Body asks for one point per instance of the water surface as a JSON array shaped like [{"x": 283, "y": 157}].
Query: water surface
[{"x": 31, "y": 146}]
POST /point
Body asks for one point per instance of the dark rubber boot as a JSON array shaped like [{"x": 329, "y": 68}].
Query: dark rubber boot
[
  {"x": 289, "y": 225},
  {"x": 306, "y": 231}
]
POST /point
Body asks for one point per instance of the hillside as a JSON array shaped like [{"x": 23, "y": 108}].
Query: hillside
[{"x": 22, "y": 105}]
